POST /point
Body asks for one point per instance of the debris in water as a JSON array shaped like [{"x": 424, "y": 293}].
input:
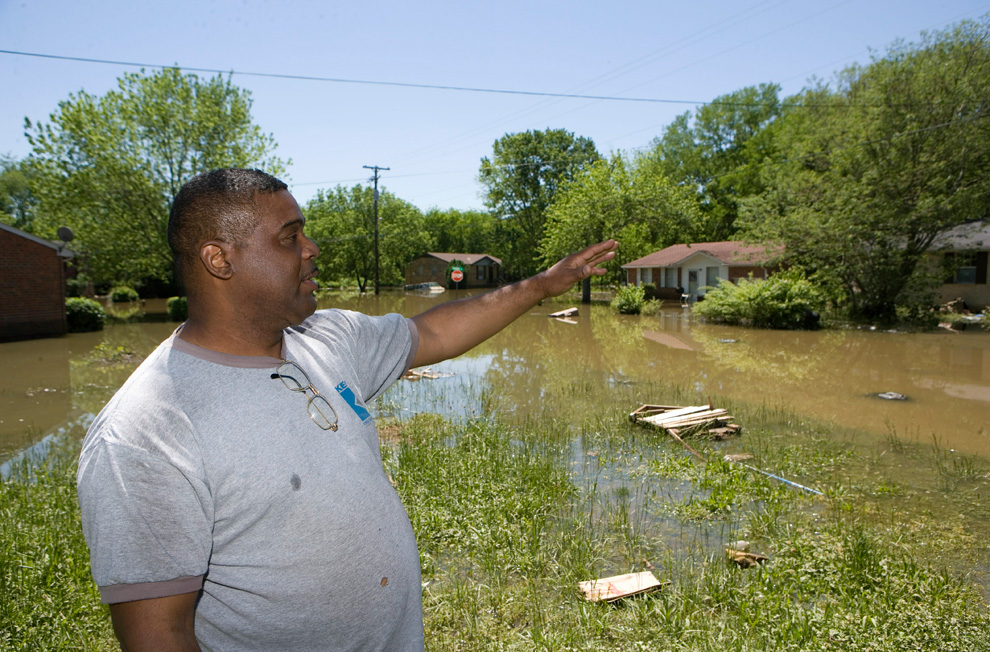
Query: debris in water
[
  {"x": 744, "y": 558},
  {"x": 569, "y": 312},
  {"x": 620, "y": 586},
  {"x": 427, "y": 373},
  {"x": 737, "y": 457},
  {"x": 892, "y": 396},
  {"x": 696, "y": 419}
]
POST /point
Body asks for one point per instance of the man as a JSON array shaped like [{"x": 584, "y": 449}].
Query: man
[{"x": 232, "y": 491}]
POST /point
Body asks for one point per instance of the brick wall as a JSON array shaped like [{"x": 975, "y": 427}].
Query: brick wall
[
  {"x": 32, "y": 289},
  {"x": 736, "y": 273}
]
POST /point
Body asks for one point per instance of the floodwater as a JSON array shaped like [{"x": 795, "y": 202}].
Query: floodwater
[{"x": 831, "y": 376}]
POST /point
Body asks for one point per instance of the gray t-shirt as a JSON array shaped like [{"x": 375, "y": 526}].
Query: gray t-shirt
[{"x": 204, "y": 471}]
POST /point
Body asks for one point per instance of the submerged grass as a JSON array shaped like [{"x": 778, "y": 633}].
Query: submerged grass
[
  {"x": 507, "y": 529},
  {"x": 511, "y": 512}
]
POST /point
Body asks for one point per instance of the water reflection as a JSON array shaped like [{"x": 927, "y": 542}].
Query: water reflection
[{"x": 829, "y": 375}]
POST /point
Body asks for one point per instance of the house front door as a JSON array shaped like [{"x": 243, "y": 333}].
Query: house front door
[{"x": 694, "y": 281}]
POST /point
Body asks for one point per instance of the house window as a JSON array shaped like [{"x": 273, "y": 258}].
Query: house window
[
  {"x": 480, "y": 275},
  {"x": 963, "y": 267},
  {"x": 711, "y": 277},
  {"x": 646, "y": 275},
  {"x": 671, "y": 277}
]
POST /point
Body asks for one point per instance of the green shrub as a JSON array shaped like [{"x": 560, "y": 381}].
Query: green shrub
[
  {"x": 629, "y": 300},
  {"x": 178, "y": 308},
  {"x": 83, "y": 315},
  {"x": 785, "y": 300},
  {"x": 123, "y": 293}
]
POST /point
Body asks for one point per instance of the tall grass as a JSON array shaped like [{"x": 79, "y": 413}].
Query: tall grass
[
  {"x": 49, "y": 601},
  {"x": 510, "y": 522},
  {"x": 511, "y": 516}
]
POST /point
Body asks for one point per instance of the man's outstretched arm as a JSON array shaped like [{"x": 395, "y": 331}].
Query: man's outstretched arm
[{"x": 452, "y": 328}]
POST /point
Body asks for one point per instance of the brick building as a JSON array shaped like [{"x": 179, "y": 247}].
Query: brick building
[
  {"x": 480, "y": 270},
  {"x": 32, "y": 286},
  {"x": 690, "y": 268}
]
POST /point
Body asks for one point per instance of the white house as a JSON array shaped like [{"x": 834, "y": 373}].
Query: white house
[{"x": 689, "y": 268}]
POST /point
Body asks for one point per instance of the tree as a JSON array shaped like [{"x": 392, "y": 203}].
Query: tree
[
  {"x": 16, "y": 200},
  {"x": 634, "y": 203},
  {"x": 876, "y": 169},
  {"x": 522, "y": 178},
  {"x": 108, "y": 167},
  {"x": 341, "y": 222},
  {"x": 457, "y": 231},
  {"x": 721, "y": 153}
]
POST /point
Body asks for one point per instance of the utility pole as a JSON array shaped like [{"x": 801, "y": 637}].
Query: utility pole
[{"x": 376, "y": 168}]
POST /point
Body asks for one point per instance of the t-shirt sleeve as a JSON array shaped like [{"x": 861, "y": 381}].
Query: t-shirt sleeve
[
  {"x": 147, "y": 521},
  {"x": 380, "y": 349}
]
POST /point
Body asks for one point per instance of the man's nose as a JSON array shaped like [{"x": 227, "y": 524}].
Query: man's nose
[{"x": 310, "y": 248}]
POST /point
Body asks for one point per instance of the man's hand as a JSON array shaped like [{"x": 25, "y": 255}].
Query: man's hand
[
  {"x": 576, "y": 267},
  {"x": 452, "y": 328}
]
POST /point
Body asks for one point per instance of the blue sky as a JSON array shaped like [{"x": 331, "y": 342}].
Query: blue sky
[{"x": 433, "y": 140}]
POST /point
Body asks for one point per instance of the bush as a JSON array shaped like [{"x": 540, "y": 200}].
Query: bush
[
  {"x": 178, "y": 308},
  {"x": 785, "y": 300},
  {"x": 629, "y": 300},
  {"x": 123, "y": 293},
  {"x": 83, "y": 315}
]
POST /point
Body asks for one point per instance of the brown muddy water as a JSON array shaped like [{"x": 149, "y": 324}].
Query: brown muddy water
[{"x": 832, "y": 376}]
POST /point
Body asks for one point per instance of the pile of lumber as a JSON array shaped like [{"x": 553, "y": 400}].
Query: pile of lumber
[{"x": 693, "y": 419}]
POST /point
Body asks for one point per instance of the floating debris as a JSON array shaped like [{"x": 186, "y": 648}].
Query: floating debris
[
  {"x": 728, "y": 341},
  {"x": 608, "y": 589},
  {"x": 695, "y": 419},
  {"x": 569, "y": 312},
  {"x": 738, "y": 553},
  {"x": 892, "y": 396},
  {"x": 427, "y": 374},
  {"x": 737, "y": 457}
]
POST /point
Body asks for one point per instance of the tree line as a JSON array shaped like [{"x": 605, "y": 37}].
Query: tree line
[{"x": 856, "y": 177}]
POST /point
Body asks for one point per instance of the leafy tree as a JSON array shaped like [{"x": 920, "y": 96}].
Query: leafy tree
[
  {"x": 341, "y": 222},
  {"x": 108, "y": 167},
  {"x": 461, "y": 231},
  {"x": 635, "y": 203},
  {"x": 16, "y": 200},
  {"x": 720, "y": 154},
  {"x": 876, "y": 169},
  {"x": 522, "y": 177}
]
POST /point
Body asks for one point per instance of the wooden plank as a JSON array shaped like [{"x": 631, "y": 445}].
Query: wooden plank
[
  {"x": 694, "y": 420},
  {"x": 568, "y": 312},
  {"x": 673, "y": 413},
  {"x": 619, "y": 586}
]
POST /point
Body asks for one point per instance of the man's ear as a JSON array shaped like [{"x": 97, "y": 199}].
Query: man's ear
[{"x": 213, "y": 255}]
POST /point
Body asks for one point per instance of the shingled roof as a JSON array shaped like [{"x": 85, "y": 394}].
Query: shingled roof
[
  {"x": 728, "y": 253},
  {"x": 467, "y": 259}
]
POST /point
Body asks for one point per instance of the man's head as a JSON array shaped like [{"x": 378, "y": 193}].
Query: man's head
[{"x": 220, "y": 206}]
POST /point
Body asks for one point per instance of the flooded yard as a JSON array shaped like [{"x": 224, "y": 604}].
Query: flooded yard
[
  {"x": 830, "y": 376},
  {"x": 559, "y": 487}
]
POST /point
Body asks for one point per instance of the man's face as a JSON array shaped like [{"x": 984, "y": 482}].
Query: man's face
[{"x": 274, "y": 269}]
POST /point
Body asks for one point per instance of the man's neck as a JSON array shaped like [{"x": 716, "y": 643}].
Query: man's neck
[{"x": 222, "y": 338}]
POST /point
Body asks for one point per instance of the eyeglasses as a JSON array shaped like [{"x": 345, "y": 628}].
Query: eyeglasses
[{"x": 293, "y": 377}]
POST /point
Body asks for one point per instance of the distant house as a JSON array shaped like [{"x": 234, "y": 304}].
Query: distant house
[
  {"x": 32, "y": 286},
  {"x": 689, "y": 268},
  {"x": 964, "y": 250},
  {"x": 480, "y": 270}
]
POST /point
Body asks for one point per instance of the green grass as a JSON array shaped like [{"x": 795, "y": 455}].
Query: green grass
[
  {"x": 506, "y": 537},
  {"x": 49, "y": 600},
  {"x": 511, "y": 515}
]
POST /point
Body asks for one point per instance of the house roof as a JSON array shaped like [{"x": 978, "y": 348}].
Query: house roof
[
  {"x": 728, "y": 252},
  {"x": 62, "y": 251},
  {"x": 467, "y": 259},
  {"x": 965, "y": 237}
]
